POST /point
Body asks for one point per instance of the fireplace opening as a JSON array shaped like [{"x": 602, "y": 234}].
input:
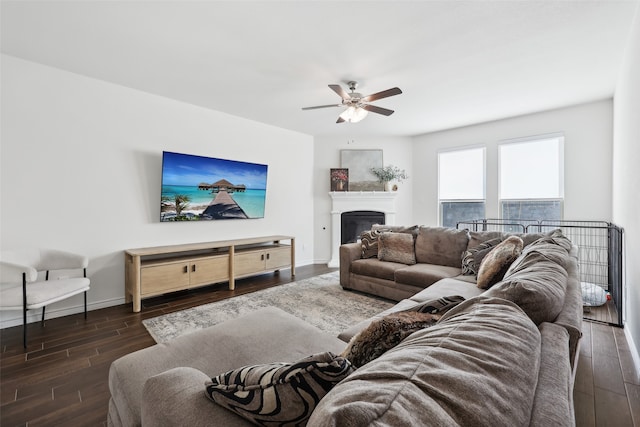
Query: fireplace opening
[{"x": 355, "y": 222}]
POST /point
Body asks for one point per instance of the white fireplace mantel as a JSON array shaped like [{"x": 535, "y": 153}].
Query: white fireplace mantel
[{"x": 348, "y": 201}]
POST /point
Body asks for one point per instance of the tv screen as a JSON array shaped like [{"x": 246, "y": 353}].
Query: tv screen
[{"x": 197, "y": 188}]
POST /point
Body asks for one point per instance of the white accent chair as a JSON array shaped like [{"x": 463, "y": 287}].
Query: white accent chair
[{"x": 23, "y": 288}]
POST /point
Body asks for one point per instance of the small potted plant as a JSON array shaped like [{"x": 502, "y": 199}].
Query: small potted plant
[{"x": 389, "y": 173}]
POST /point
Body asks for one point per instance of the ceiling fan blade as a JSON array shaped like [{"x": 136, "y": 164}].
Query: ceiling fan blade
[
  {"x": 378, "y": 110},
  {"x": 384, "y": 94},
  {"x": 321, "y": 106},
  {"x": 341, "y": 92},
  {"x": 340, "y": 120}
]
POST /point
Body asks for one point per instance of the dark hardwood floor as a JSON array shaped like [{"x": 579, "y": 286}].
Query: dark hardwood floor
[{"x": 62, "y": 377}]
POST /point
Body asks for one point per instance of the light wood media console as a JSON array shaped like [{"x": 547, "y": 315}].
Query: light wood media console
[{"x": 162, "y": 269}]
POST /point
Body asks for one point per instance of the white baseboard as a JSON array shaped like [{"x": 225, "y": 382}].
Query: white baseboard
[
  {"x": 35, "y": 315},
  {"x": 633, "y": 349}
]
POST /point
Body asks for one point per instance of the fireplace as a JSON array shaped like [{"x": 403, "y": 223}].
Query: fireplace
[
  {"x": 381, "y": 202},
  {"x": 355, "y": 222}
]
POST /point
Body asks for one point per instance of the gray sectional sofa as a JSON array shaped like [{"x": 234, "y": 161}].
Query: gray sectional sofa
[{"x": 505, "y": 356}]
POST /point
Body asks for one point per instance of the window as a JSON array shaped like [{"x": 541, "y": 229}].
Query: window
[
  {"x": 461, "y": 185},
  {"x": 532, "y": 178}
]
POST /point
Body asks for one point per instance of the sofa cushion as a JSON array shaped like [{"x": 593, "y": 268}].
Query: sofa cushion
[
  {"x": 396, "y": 247},
  {"x": 369, "y": 242},
  {"x": 472, "y": 258},
  {"x": 175, "y": 398},
  {"x": 412, "y": 229},
  {"x": 477, "y": 366},
  {"x": 448, "y": 286},
  {"x": 496, "y": 263},
  {"x": 554, "y": 246},
  {"x": 278, "y": 392},
  {"x": 478, "y": 237},
  {"x": 536, "y": 284},
  {"x": 529, "y": 238},
  {"x": 374, "y": 268},
  {"x": 424, "y": 275},
  {"x": 440, "y": 245}
]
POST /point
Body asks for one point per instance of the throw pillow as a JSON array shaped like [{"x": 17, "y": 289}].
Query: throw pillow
[
  {"x": 396, "y": 247},
  {"x": 496, "y": 263},
  {"x": 472, "y": 258},
  {"x": 369, "y": 241},
  {"x": 279, "y": 393},
  {"x": 385, "y": 333}
]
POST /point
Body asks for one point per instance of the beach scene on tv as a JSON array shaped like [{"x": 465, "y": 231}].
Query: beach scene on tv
[{"x": 196, "y": 188}]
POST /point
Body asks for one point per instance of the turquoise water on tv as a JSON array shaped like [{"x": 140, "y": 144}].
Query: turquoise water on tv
[{"x": 252, "y": 201}]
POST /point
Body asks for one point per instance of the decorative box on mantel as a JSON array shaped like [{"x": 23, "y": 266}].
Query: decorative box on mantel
[{"x": 349, "y": 201}]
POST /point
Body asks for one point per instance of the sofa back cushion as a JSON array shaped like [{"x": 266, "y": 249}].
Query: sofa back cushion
[
  {"x": 554, "y": 246},
  {"x": 485, "y": 349},
  {"x": 536, "y": 283},
  {"x": 441, "y": 246},
  {"x": 478, "y": 237},
  {"x": 411, "y": 229}
]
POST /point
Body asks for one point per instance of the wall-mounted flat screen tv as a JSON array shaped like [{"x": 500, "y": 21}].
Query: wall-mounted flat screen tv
[{"x": 197, "y": 188}]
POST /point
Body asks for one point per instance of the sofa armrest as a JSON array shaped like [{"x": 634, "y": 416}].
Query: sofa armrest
[
  {"x": 553, "y": 400},
  {"x": 177, "y": 397},
  {"x": 349, "y": 252}
]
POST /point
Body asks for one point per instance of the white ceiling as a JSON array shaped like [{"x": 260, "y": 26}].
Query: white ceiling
[{"x": 457, "y": 62}]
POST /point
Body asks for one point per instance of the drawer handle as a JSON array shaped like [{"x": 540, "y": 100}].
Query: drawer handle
[
  {"x": 193, "y": 267},
  {"x": 268, "y": 256},
  {"x": 262, "y": 257},
  {"x": 186, "y": 269}
]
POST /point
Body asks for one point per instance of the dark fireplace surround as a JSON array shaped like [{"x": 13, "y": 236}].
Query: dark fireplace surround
[{"x": 355, "y": 222}]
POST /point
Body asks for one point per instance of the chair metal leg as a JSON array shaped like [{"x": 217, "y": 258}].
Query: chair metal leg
[
  {"x": 42, "y": 322},
  {"x": 85, "y": 296},
  {"x": 24, "y": 310}
]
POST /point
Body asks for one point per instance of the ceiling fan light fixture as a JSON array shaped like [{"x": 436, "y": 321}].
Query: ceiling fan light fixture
[
  {"x": 358, "y": 106},
  {"x": 353, "y": 114}
]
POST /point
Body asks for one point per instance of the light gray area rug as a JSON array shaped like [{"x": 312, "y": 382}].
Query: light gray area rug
[{"x": 319, "y": 300}]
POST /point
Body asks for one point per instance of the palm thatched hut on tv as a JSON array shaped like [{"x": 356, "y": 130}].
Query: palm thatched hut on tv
[{"x": 222, "y": 185}]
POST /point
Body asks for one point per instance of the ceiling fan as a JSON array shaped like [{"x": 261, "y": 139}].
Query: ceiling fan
[{"x": 357, "y": 105}]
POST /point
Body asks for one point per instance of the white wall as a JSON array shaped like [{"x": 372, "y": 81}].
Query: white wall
[
  {"x": 81, "y": 171},
  {"x": 588, "y": 130},
  {"x": 396, "y": 151},
  {"x": 626, "y": 178}
]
